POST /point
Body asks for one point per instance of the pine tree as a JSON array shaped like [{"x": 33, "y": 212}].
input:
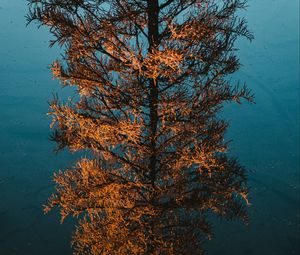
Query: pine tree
[{"x": 151, "y": 78}]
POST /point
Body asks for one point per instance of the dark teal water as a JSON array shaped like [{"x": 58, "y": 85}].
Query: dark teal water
[{"x": 265, "y": 137}]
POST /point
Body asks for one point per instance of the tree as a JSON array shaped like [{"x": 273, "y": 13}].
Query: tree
[{"x": 151, "y": 77}]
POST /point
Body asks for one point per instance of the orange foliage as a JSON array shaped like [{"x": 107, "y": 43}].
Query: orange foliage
[{"x": 151, "y": 80}]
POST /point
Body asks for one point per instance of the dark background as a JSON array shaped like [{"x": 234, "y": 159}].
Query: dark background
[{"x": 265, "y": 136}]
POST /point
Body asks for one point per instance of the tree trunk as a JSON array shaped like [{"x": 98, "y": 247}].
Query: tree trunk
[
  {"x": 153, "y": 99},
  {"x": 153, "y": 105}
]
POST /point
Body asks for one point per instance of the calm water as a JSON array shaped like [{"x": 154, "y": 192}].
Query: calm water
[{"x": 266, "y": 137}]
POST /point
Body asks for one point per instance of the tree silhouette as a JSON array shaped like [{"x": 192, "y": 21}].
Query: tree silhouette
[{"x": 151, "y": 78}]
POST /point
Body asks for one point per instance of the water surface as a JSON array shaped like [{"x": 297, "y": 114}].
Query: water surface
[{"x": 265, "y": 136}]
